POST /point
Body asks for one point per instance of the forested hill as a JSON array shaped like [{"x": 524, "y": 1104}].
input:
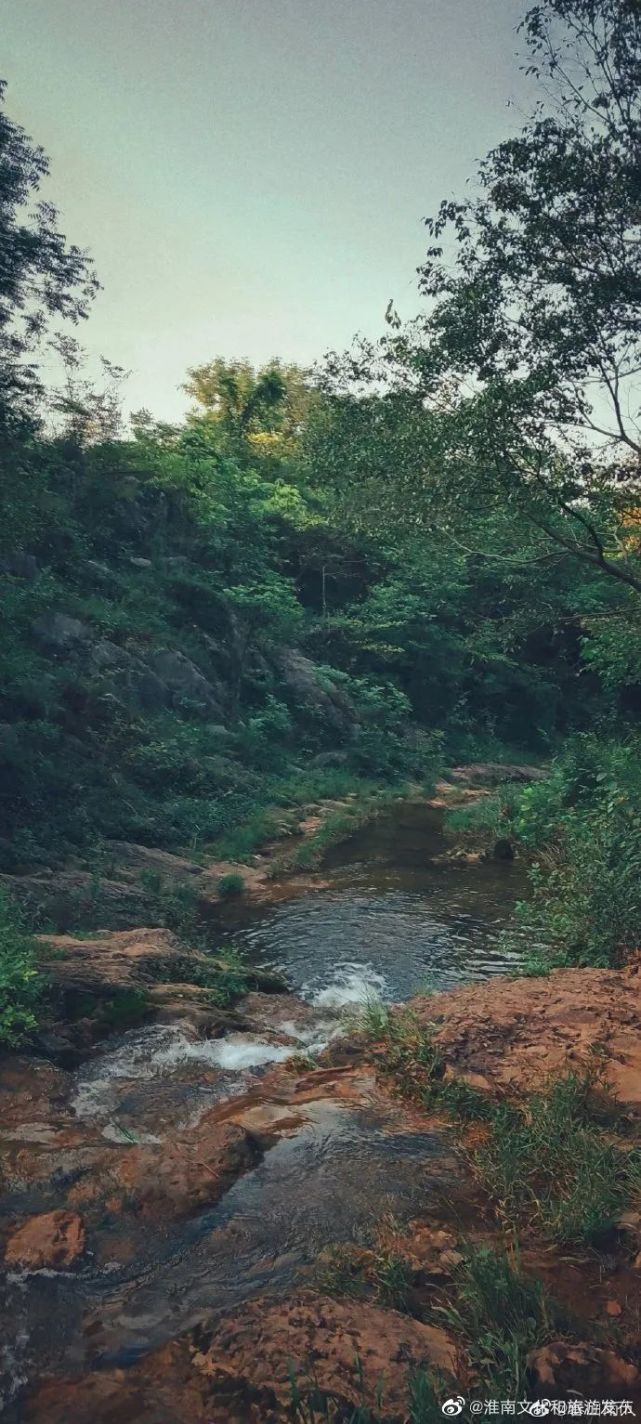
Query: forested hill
[
  {"x": 197, "y": 623},
  {"x": 427, "y": 551}
]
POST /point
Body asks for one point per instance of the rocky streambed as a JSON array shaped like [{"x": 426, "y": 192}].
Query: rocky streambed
[{"x": 170, "y": 1192}]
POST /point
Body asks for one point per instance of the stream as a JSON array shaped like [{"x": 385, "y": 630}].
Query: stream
[{"x": 385, "y": 917}]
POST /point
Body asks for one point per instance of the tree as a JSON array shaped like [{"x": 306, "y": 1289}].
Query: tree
[
  {"x": 42, "y": 277},
  {"x": 530, "y": 353},
  {"x": 259, "y": 410}
]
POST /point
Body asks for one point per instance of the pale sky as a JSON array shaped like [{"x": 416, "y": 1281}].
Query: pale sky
[{"x": 251, "y": 175}]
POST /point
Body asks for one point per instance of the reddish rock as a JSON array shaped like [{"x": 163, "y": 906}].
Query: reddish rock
[
  {"x": 190, "y": 1171},
  {"x": 239, "y": 1372},
  {"x": 322, "y": 1338},
  {"x": 584, "y": 1368},
  {"x": 56, "y": 1239},
  {"x": 515, "y": 1033}
]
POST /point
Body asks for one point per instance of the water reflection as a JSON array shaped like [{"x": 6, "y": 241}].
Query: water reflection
[{"x": 394, "y": 918}]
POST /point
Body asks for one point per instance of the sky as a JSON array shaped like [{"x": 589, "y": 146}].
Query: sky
[{"x": 251, "y": 176}]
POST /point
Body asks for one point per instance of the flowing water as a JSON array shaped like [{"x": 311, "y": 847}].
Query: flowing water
[{"x": 386, "y": 916}]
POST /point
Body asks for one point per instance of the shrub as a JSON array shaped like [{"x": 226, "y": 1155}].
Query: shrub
[
  {"x": 230, "y": 885},
  {"x": 585, "y": 823},
  {"x": 20, "y": 982}
]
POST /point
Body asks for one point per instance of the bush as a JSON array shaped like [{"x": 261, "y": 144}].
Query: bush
[
  {"x": 585, "y": 823},
  {"x": 230, "y": 885},
  {"x": 20, "y": 982}
]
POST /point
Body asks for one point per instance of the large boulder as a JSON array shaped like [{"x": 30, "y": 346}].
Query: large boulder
[
  {"x": 20, "y": 565},
  {"x": 495, "y": 773},
  {"x": 71, "y": 897},
  {"x": 309, "y": 687},
  {"x": 59, "y": 632},
  {"x": 128, "y": 677},
  {"x": 347, "y": 1353},
  {"x": 111, "y": 960},
  {"x": 154, "y": 681},
  {"x": 184, "y": 681}
]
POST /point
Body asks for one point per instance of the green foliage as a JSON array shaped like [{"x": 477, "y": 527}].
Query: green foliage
[
  {"x": 501, "y": 1315},
  {"x": 310, "y": 1404},
  {"x": 546, "y": 1162},
  {"x": 405, "y": 1047},
  {"x": 381, "y": 1273},
  {"x": 584, "y": 824},
  {"x": 126, "y": 1008},
  {"x": 229, "y": 980},
  {"x": 43, "y": 278},
  {"x": 533, "y": 284},
  {"x": 549, "y": 1166},
  {"x": 488, "y": 819},
  {"x": 20, "y": 983},
  {"x": 230, "y": 885}
]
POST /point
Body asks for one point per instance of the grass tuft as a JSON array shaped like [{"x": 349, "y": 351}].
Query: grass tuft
[{"x": 500, "y": 1314}]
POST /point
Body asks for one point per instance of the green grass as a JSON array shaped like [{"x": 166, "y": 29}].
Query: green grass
[
  {"x": 499, "y": 1314},
  {"x": 337, "y": 826},
  {"x": 406, "y": 1049},
  {"x": 225, "y": 975},
  {"x": 21, "y": 985},
  {"x": 240, "y": 842},
  {"x": 549, "y": 1162},
  {"x": 125, "y": 1008},
  {"x": 491, "y": 818},
  {"x": 382, "y": 1274}
]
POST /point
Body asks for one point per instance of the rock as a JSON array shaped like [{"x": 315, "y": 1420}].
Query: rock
[
  {"x": 494, "y": 773},
  {"x": 20, "y": 565},
  {"x": 324, "y": 1338},
  {"x": 128, "y": 959},
  {"x": 513, "y": 1034},
  {"x": 279, "y": 1013},
  {"x": 9, "y": 741},
  {"x": 122, "y": 959},
  {"x": 55, "y": 1239},
  {"x": 140, "y": 563},
  {"x": 59, "y": 632},
  {"x": 155, "y": 680},
  {"x": 72, "y": 897},
  {"x": 330, "y": 759},
  {"x": 98, "y": 570},
  {"x": 239, "y": 1372},
  {"x": 582, "y": 1368},
  {"x": 308, "y": 686},
  {"x": 128, "y": 677},
  {"x": 184, "y": 680},
  {"x": 192, "y": 1171},
  {"x": 133, "y": 859},
  {"x": 190, "y": 1005}
]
